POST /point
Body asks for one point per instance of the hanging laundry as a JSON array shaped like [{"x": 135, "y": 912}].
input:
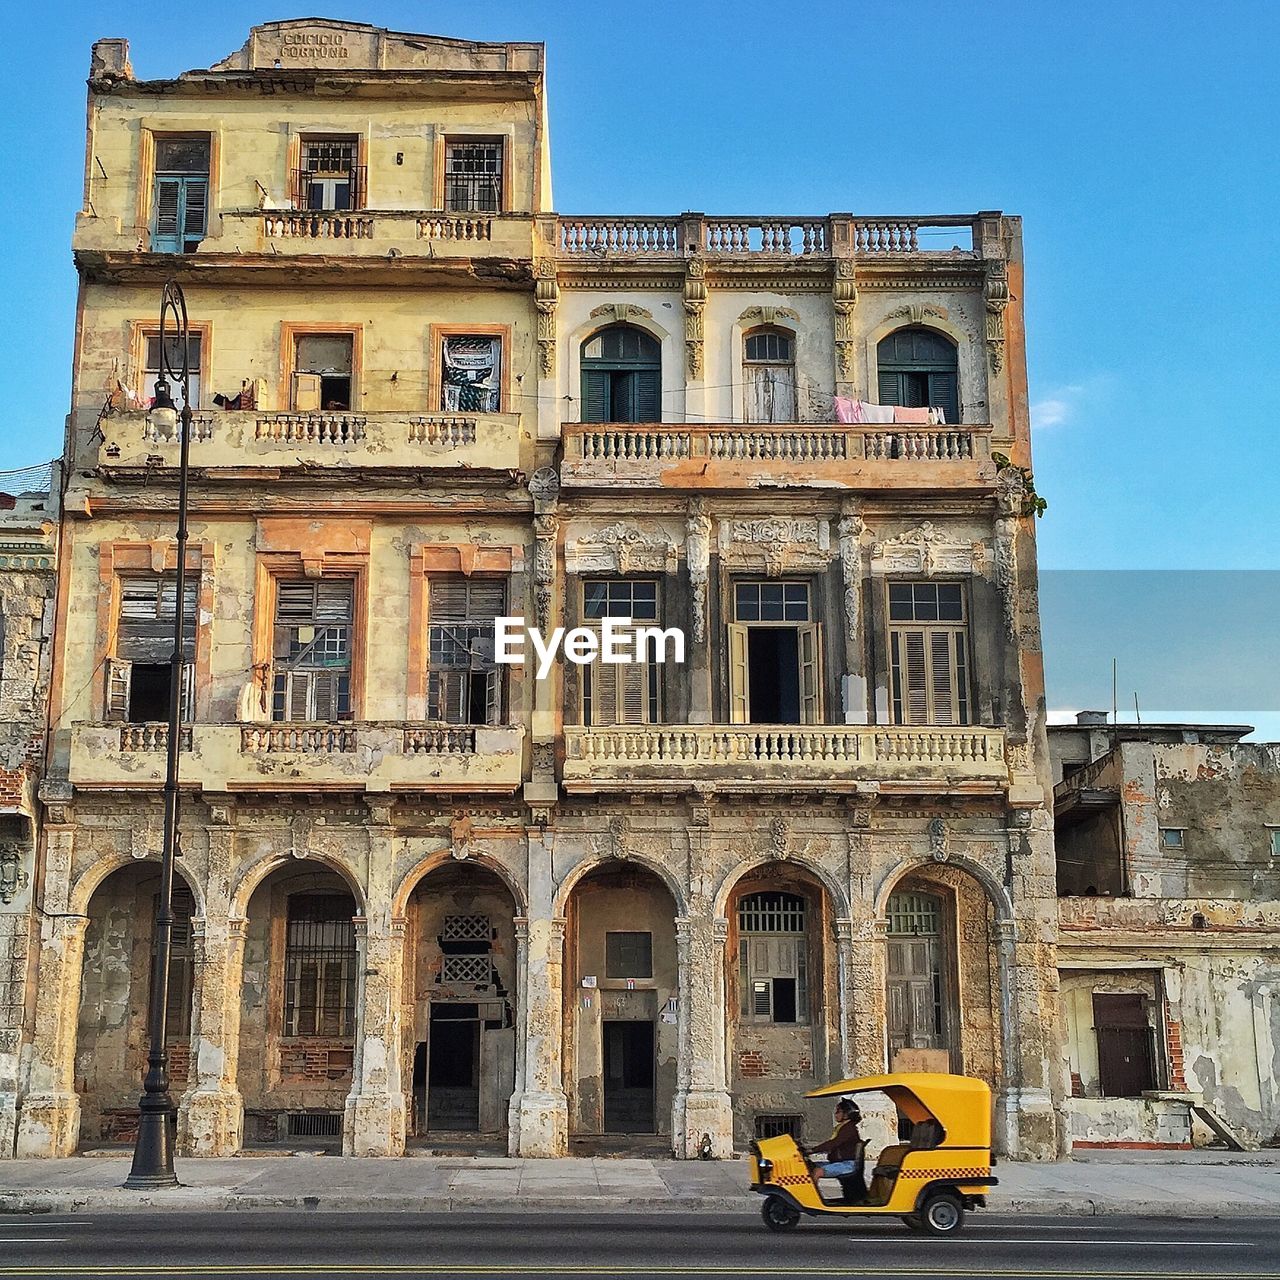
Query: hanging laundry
[
  {"x": 937, "y": 417},
  {"x": 847, "y": 410},
  {"x": 904, "y": 415},
  {"x": 875, "y": 412}
]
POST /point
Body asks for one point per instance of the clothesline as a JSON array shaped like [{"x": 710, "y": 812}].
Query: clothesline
[{"x": 848, "y": 410}]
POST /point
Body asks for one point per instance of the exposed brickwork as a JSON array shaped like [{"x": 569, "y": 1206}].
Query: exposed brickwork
[
  {"x": 752, "y": 1065},
  {"x": 318, "y": 1061},
  {"x": 1177, "y": 1080},
  {"x": 1077, "y": 1085}
]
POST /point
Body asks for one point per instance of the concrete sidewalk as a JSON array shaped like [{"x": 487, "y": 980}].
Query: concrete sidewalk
[{"x": 1165, "y": 1184}]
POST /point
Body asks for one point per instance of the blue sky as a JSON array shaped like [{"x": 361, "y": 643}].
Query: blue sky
[{"x": 1136, "y": 140}]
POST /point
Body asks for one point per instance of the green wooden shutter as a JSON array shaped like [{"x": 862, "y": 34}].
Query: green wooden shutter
[
  {"x": 890, "y": 387},
  {"x": 595, "y": 395},
  {"x": 647, "y": 396},
  {"x": 942, "y": 395}
]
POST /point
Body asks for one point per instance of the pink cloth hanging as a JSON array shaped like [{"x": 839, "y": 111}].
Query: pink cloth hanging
[
  {"x": 901, "y": 414},
  {"x": 846, "y": 409}
]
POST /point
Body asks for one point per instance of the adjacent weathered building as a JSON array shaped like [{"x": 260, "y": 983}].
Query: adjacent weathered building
[
  {"x": 1169, "y": 950},
  {"x": 423, "y": 892}
]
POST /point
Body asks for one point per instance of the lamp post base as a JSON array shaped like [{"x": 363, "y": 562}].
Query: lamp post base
[{"x": 153, "y": 1152}]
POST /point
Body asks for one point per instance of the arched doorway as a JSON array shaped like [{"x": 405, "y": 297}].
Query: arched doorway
[
  {"x": 782, "y": 1027},
  {"x": 621, "y": 376},
  {"x": 299, "y": 1017},
  {"x": 917, "y": 368},
  {"x": 621, "y": 988},
  {"x": 115, "y": 994},
  {"x": 460, "y": 976},
  {"x": 769, "y": 375}
]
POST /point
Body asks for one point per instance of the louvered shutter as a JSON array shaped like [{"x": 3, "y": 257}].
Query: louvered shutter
[
  {"x": 810, "y": 675},
  {"x": 298, "y": 684},
  {"x": 914, "y": 677},
  {"x": 595, "y": 396},
  {"x": 619, "y": 692},
  {"x": 187, "y": 702},
  {"x": 941, "y": 678},
  {"x": 195, "y": 192},
  {"x": 756, "y": 399},
  {"x": 167, "y": 237},
  {"x": 118, "y": 675},
  {"x": 646, "y": 396},
  {"x": 739, "y": 684},
  {"x": 942, "y": 395},
  {"x": 890, "y": 387}
]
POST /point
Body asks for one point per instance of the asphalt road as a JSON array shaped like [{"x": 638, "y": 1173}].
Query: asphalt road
[{"x": 1002, "y": 1247}]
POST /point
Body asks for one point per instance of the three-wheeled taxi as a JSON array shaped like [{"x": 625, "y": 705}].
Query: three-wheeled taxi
[{"x": 929, "y": 1181}]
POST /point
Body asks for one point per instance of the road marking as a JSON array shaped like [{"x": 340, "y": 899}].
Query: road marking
[
  {"x": 33, "y": 1239},
  {"x": 1168, "y": 1244}
]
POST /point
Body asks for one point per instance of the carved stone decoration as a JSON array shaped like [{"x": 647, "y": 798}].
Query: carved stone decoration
[
  {"x": 13, "y": 879},
  {"x": 939, "y": 849},
  {"x": 546, "y": 298},
  {"x": 851, "y": 528},
  {"x": 621, "y": 312},
  {"x": 768, "y": 315},
  {"x": 779, "y": 838},
  {"x": 776, "y": 544},
  {"x": 844, "y": 296},
  {"x": 697, "y": 532},
  {"x": 545, "y": 529},
  {"x": 145, "y": 840},
  {"x": 544, "y": 759},
  {"x": 615, "y": 842},
  {"x": 620, "y": 547},
  {"x": 695, "y": 299},
  {"x": 544, "y": 488},
  {"x": 927, "y": 549},
  {"x": 460, "y": 835},
  {"x": 917, "y": 313},
  {"x": 1011, "y": 492},
  {"x": 996, "y": 296}
]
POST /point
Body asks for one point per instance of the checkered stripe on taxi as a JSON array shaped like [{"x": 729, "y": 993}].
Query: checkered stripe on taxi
[
  {"x": 945, "y": 1173},
  {"x": 791, "y": 1180}
]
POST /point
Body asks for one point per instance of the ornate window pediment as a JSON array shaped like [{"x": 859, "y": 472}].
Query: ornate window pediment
[
  {"x": 927, "y": 550},
  {"x": 621, "y": 547},
  {"x": 776, "y": 544}
]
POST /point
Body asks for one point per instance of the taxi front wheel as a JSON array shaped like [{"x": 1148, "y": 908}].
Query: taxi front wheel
[
  {"x": 778, "y": 1215},
  {"x": 942, "y": 1214}
]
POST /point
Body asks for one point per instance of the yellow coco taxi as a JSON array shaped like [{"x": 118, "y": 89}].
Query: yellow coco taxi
[{"x": 929, "y": 1181}]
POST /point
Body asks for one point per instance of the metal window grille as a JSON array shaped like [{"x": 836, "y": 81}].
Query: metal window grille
[
  {"x": 466, "y": 929},
  {"x": 314, "y": 1124},
  {"x": 329, "y": 155},
  {"x": 915, "y": 913},
  {"x": 473, "y": 177},
  {"x": 320, "y": 966},
  {"x": 777, "y": 1126},
  {"x": 181, "y": 959},
  {"x": 771, "y": 913}
]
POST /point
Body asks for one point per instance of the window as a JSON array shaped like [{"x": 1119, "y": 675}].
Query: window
[
  {"x": 628, "y": 955},
  {"x": 929, "y": 653},
  {"x": 1275, "y": 840},
  {"x": 312, "y": 651},
  {"x": 1173, "y": 838},
  {"x": 774, "y": 655},
  {"x": 464, "y": 683},
  {"x": 139, "y": 672},
  {"x": 1126, "y": 1045},
  {"x": 621, "y": 376},
  {"x": 623, "y": 692},
  {"x": 769, "y": 376},
  {"x": 330, "y": 179},
  {"x": 917, "y": 368},
  {"x": 178, "y": 1023},
  {"x": 772, "y": 958},
  {"x": 322, "y": 366},
  {"x": 473, "y": 175},
  {"x": 471, "y": 373},
  {"x": 320, "y": 966},
  {"x": 915, "y": 987},
  {"x": 181, "y": 193},
  {"x": 153, "y": 367},
  {"x": 779, "y": 1126},
  {"x": 465, "y": 942}
]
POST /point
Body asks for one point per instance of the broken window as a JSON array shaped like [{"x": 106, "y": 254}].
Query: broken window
[
  {"x": 473, "y": 175},
  {"x": 1173, "y": 839},
  {"x": 621, "y": 692},
  {"x": 769, "y": 376},
  {"x": 621, "y": 376},
  {"x": 154, "y": 367},
  {"x": 929, "y": 653},
  {"x": 772, "y": 958},
  {"x": 471, "y": 373},
  {"x": 320, "y": 966},
  {"x": 916, "y": 984},
  {"x": 322, "y": 368},
  {"x": 1126, "y": 1044},
  {"x": 139, "y": 673},
  {"x": 464, "y": 682},
  {"x": 178, "y": 1021},
  {"x": 917, "y": 369},
  {"x": 312, "y": 650},
  {"x": 330, "y": 179},
  {"x": 628, "y": 955},
  {"x": 774, "y": 655},
  {"x": 181, "y": 192}
]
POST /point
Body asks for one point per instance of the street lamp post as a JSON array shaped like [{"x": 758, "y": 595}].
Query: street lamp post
[{"x": 157, "y": 1118}]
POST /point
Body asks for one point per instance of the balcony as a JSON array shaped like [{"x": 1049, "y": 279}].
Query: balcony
[
  {"x": 799, "y": 757},
  {"x": 364, "y": 756},
  {"x": 274, "y": 442},
  {"x": 775, "y": 455}
]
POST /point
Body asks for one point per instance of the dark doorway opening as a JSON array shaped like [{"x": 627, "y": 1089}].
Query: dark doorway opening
[
  {"x": 453, "y": 1069},
  {"x": 629, "y": 1051},
  {"x": 773, "y": 669},
  {"x": 1126, "y": 1045},
  {"x": 149, "y": 685}
]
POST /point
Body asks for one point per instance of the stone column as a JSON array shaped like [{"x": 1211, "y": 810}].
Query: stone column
[
  {"x": 374, "y": 1124},
  {"x": 698, "y": 559},
  {"x": 702, "y": 1107},
  {"x": 851, "y": 529},
  {"x": 211, "y": 1113},
  {"x": 845, "y": 984}
]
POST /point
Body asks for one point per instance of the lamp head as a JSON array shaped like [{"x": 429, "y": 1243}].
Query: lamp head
[{"x": 163, "y": 414}]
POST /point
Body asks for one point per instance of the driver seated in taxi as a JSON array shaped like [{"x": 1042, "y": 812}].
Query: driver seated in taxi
[{"x": 842, "y": 1155}]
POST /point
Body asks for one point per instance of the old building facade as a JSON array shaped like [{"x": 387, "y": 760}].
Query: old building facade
[
  {"x": 423, "y": 892},
  {"x": 1169, "y": 884}
]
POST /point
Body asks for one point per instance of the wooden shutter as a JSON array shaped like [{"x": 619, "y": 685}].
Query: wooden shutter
[
  {"x": 739, "y": 681},
  {"x": 619, "y": 692},
  {"x": 167, "y": 237},
  {"x": 929, "y": 678},
  {"x": 942, "y": 685},
  {"x": 306, "y": 392},
  {"x": 915, "y": 696},
  {"x": 187, "y": 702},
  {"x": 810, "y": 674},
  {"x": 646, "y": 396},
  {"x": 118, "y": 675},
  {"x": 595, "y": 395},
  {"x": 890, "y": 387},
  {"x": 942, "y": 395},
  {"x": 195, "y": 192}
]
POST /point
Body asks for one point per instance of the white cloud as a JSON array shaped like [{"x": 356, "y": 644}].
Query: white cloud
[{"x": 1057, "y": 407}]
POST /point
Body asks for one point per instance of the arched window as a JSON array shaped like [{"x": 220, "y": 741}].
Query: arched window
[
  {"x": 320, "y": 966},
  {"x": 916, "y": 994},
  {"x": 621, "y": 376},
  {"x": 772, "y": 958},
  {"x": 769, "y": 376},
  {"x": 917, "y": 369}
]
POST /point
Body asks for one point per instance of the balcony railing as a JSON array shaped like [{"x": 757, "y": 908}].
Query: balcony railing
[
  {"x": 798, "y": 755},
  {"x": 299, "y": 739},
  {"x": 150, "y": 737},
  {"x": 751, "y": 454}
]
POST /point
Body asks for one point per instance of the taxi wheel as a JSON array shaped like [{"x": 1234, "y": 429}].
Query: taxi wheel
[
  {"x": 778, "y": 1215},
  {"x": 942, "y": 1214}
]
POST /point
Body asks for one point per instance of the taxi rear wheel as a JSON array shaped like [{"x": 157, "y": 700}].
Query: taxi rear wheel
[
  {"x": 778, "y": 1215},
  {"x": 942, "y": 1214}
]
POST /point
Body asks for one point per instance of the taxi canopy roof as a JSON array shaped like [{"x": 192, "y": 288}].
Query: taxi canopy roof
[{"x": 961, "y": 1104}]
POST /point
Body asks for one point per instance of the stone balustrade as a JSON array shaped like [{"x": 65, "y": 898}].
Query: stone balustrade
[
  {"x": 317, "y": 226},
  {"x": 757, "y": 455},
  {"x": 151, "y": 736},
  {"x": 813, "y": 756},
  {"x": 311, "y": 428},
  {"x": 462, "y": 227},
  {"x": 298, "y": 739},
  {"x": 439, "y": 740}
]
